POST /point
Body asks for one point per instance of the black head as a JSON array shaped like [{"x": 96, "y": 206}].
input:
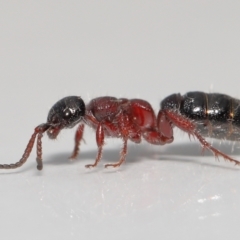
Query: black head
[{"x": 65, "y": 113}]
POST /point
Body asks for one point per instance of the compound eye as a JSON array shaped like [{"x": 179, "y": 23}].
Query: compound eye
[{"x": 67, "y": 113}]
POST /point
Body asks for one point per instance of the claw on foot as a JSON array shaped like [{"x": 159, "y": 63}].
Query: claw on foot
[
  {"x": 90, "y": 166},
  {"x": 112, "y": 165}
]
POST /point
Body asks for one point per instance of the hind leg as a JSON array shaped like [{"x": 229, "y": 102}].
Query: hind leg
[
  {"x": 215, "y": 151},
  {"x": 188, "y": 126}
]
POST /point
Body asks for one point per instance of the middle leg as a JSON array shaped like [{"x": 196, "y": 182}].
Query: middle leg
[{"x": 122, "y": 156}]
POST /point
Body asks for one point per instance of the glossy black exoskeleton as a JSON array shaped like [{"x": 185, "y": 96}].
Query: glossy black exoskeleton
[
  {"x": 66, "y": 113},
  {"x": 215, "y": 115}
]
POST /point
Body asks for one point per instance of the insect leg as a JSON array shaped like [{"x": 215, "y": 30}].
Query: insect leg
[
  {"x": 188, "y": 126},
  {"x": 100, "y": 143},
  {"x": 78, "y": 138},
  {"x": 216, "y": 152},
  {"x": 122, "y": 156}
]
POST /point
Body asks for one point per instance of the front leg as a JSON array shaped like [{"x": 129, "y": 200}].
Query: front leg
[
  {"x": 78, "y": 138},
  {"x": 100, "y": 143}
]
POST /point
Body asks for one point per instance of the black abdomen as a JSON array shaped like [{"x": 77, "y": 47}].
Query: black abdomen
[{"x": 216, "y": 115}]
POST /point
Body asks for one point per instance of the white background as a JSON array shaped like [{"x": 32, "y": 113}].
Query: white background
[{"x": 144, "y": 49}]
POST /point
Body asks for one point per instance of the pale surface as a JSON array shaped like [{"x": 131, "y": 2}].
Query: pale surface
[{"x": 51, "y": 49}]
